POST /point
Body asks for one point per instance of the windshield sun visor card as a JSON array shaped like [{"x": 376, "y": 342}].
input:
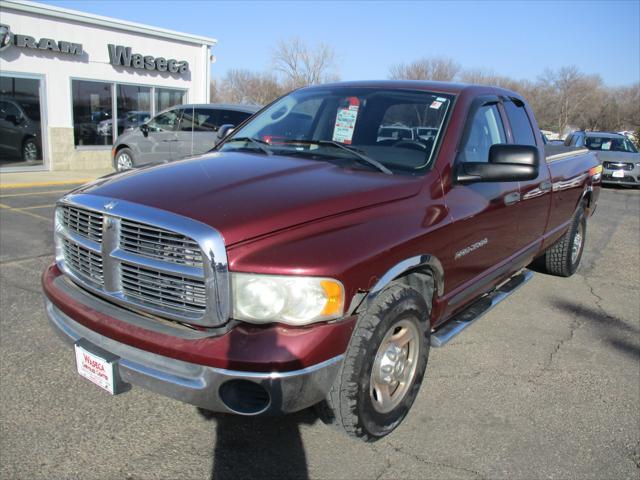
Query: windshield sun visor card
[{"x": 346, "y": 121}]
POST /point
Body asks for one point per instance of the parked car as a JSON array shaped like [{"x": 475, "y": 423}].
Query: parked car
[
  {"x": 619, "y": 156},
  {"x": 268, "y": 277},
  {"x": 179, "y": 132},
  {"x": 20, "y": 136},
  {"x": 127, "y": 121}
]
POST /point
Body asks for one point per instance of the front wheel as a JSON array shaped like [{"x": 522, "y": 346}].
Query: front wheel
[
  {"x": 383, "y": 367},
  {"x": 124, "y": 160}
]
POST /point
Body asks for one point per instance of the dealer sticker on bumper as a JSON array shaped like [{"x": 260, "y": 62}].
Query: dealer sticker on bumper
[
  {"x": 617, "y": 174},
  {"x": 96, "y": 369}
]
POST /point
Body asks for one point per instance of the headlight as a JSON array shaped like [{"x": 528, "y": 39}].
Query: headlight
[{"x": 286, "y": 299}]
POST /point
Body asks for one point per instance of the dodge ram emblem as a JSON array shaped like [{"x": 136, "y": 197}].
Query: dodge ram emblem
[{"x": 5, "y": 37}]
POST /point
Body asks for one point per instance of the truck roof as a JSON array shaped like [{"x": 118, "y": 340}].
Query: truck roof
[{"x": 444, "y": 87}]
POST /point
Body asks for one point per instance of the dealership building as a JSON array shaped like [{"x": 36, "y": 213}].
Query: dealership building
[{"x": 70, "y": 82}]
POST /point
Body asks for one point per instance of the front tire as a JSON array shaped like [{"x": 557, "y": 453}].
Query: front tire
[
  {"x": 124, "y": 160},
  {"x": 383, "y": 367}
]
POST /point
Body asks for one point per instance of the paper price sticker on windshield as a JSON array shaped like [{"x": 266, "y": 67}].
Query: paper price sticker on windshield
[
  {"x": 346, "y": 122},
  {"x": 435, "y": 104}
]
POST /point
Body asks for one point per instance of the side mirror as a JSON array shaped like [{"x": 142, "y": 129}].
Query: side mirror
[
  {"x": 224, "y": 131},
  {"x": 507, "y": 163},
  {"x": 144, "y": 128}
]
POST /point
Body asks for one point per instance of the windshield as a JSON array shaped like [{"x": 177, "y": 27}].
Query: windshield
[
  {"x": 611, "y": 144},
  {"x": 378, "y": 124}
]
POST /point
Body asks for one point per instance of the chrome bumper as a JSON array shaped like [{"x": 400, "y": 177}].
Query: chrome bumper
[{"x": 198, "y": 384}]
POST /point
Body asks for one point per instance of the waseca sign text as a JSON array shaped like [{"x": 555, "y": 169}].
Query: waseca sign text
[{"x": 119, "y": 55}]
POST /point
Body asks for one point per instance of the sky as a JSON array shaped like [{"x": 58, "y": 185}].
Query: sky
[{"x": 519, "y": 39}]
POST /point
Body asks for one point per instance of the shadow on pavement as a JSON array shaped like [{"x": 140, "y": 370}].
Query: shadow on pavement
[
  {"x": 259, "y": 447},
  {"x": 613, "y": 330}
]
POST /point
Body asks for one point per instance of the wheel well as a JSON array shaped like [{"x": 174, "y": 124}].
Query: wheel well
[
  {"x": 120, "y": 147},
  {"x": 421, "y": 280},
  {"x": 586, "y": 201}
]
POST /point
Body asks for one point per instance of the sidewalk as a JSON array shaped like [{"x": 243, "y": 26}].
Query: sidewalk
[{"x": 49, "y": 179}]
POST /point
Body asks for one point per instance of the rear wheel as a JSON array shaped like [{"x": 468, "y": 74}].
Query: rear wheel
[
  {"x": 124, "y": 160},
  {"x": 563, "y": 258},
  {"x": 383, "y": 367}
]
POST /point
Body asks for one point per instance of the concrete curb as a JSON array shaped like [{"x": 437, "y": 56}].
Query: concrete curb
[{"x": 4, "y": 186}]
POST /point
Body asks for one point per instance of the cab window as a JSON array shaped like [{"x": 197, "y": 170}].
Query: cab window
[
  {"x": 165, "y": 122},
  {"x": 520, "y": 124},
  {"x": 485, "y": 129}
]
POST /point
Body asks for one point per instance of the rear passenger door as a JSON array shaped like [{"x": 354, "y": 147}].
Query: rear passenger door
[
  {"x": 485, "y": 214},
  {"x": 535, "y": 195}
]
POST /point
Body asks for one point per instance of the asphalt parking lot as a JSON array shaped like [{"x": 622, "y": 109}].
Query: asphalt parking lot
[{"x": 545, "y": 386}]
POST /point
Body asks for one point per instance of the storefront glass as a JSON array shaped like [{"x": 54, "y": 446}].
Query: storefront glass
[
  {"x": 133, "y": 106},
  {"x": 20, "y": 127},
  {"x": 168, "y": 97},
  {"x": 92, "y": 112}
]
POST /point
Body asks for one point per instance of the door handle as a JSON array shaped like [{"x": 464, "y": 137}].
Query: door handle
[
  {"x": 545, "y": 186},
  {"x": 511, "y": 198}
]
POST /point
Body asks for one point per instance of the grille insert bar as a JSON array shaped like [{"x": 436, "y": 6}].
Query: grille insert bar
[
  {"x": 83, "y": 262},
  {"x": 159, "y": 244},
  {"x": 85, "y": 223},
  {"x": 163, "y": 290}
]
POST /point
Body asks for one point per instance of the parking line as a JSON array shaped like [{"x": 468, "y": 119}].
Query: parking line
[
  {"x": 45, "y": 184},
  {"x": 32, "y": 193},
  {"x": 34, "y": 207},
  {"x": 20, "y": 210}
]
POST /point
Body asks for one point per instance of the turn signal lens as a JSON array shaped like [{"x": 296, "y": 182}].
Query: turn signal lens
[{"x": 595, "y": 170}]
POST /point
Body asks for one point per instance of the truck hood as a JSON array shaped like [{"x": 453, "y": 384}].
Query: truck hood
[{"x": 245, "y": 195}]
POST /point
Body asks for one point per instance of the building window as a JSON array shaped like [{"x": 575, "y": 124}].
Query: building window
[
  {"x": 133, "y": 106},
  {"x": 20, "y": 127},
  {"x": 92, "y": 112},
  {"x": 168, "y": 97}
]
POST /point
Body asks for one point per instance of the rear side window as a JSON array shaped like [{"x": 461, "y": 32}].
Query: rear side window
[
  {"x": 520, "y": 124},
  {"x": 486, "y": 129},
  {"x": 232, "y": 117}
]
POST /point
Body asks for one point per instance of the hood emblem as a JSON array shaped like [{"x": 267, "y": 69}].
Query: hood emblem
[{"x": 110, "y": 206}]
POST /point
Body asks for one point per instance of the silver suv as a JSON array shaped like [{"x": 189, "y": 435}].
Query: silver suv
[
  {"x": 620, "y": 158},
  {"x": 179, "y": 132}
]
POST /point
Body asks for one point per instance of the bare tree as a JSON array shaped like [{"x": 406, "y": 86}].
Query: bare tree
[
  {"x": 244, "y": 86},
  {"x": 438, "y": 69},
  {"x": 301, "y": 65}
]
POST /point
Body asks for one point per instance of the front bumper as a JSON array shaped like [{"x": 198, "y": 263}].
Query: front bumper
[
  {"x": 631, "y": 177},
  {"x": 199, "y": 384}
]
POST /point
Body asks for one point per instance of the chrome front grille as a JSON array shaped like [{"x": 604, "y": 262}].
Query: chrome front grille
[
  {"x": 153, "y": 242},
  {"x": 618, "y": 166},
  {"x": 83, "y": 262},
  {"x": 85, "y": 223},
  {"x": 143, "y": 258},
  {"x": 163, "y": 290}
]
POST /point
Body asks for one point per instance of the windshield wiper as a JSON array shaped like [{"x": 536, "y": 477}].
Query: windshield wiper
[
  {"x": 256, "y": 142},
  {"x": 354, "y": 153}
]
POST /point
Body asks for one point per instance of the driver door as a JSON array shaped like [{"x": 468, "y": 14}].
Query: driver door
[{"x": 160, "y": 144}]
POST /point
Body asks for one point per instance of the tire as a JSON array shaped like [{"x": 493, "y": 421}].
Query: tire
[
  {"x": 563, "y": 258},
  {"x": 354, "y": 403},
  {"x": 30, "y": 150},
  {"x": 124, "y": 160}
]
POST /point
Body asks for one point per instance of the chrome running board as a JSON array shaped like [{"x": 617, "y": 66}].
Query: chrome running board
[{"x": 477, "y": 309}]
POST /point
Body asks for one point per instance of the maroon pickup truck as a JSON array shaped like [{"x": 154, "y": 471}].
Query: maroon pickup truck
[{"x": 318, "y": 252}]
